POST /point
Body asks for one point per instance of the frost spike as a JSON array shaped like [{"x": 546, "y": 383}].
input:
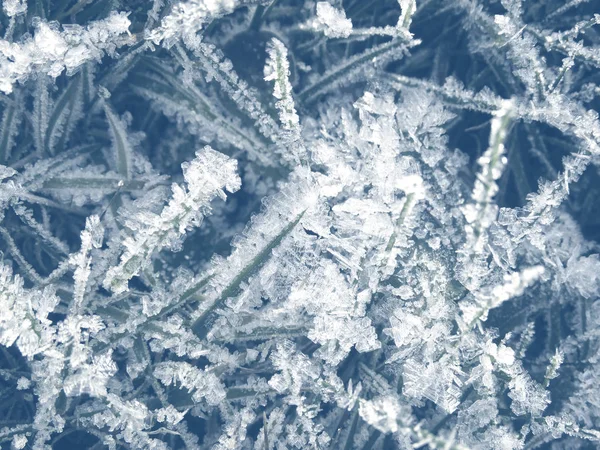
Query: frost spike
[
  {"x": 408, "y": 8},
  {"x": 91, "y": 237},
  {"x": 277, "y": 69},
  {"x": 481, "y": 212}
]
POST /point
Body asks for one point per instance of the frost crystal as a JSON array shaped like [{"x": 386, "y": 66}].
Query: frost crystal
[
  {"x": 277, "y": 69},
  {"x": 188, "y": 17},
  {"x": 381, "y": 413},
  {"x": 262, "y": 224},
  {"x": 51, "y": 51},
  {"x": 333, "y": 21},
  {"x": 14, "y": 7},
  {"x": 19, "y": 441}
]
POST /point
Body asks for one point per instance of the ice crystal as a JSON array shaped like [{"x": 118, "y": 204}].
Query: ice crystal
[{"x": 258, "y": 224}]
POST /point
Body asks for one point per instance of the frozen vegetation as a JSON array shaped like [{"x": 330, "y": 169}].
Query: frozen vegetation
[{"x": 299, "y": 224}]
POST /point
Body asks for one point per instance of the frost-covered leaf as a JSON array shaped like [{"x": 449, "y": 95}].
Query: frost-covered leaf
[
  {"x": 51, "y": 51},
  {"x": 206, "y": 176}
]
